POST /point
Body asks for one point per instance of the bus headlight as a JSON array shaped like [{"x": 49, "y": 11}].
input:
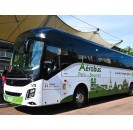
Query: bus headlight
[{"x": 30, "y": 93}]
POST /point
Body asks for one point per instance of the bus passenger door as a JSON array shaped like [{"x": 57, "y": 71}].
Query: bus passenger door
[
  {"x": 52, "y": 76},
  {"x": 51, "y": 90}
]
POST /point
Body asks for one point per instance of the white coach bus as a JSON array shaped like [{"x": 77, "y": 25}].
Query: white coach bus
[{"x": 50, "y": 66}]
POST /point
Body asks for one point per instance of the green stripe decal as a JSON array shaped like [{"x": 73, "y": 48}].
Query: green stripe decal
[
  {"x": 102, "y": 92},
  {"x": 67, "y": 99},
  {"x": 13, "y": 99}
]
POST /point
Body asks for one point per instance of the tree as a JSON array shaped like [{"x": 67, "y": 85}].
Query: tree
[{"x": 128, "y": 50}]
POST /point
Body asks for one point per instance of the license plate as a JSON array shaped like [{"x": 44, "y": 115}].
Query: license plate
[{"x": 10, "y": 99}]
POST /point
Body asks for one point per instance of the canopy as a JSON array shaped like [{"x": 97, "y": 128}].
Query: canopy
[{"x": 12, "y": 25}]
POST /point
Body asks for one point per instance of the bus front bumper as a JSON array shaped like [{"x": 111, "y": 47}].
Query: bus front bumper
[{"x": 13, "y": 99}]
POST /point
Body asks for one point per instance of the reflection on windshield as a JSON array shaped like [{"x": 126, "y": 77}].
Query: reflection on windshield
[{"x": 30, "y": 60}]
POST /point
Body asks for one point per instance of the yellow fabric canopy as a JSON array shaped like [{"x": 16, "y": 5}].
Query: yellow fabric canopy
[{"x": 12, "y": 25}]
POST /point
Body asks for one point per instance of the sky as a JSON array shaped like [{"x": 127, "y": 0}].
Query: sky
[{"x": 113, "y": 27}]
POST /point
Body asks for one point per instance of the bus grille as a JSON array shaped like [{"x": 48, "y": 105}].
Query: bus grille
[
  {"x": 20, "y": 83},
  {"x": 13, "y": 94}
]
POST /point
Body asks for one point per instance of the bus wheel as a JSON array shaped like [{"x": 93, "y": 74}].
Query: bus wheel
[
  {"x": 131, "y": 90},
  {"x": 79, "y": 98}
]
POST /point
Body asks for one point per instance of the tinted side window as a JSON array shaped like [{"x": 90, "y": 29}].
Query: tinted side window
[{"x": 52, "y": 61}]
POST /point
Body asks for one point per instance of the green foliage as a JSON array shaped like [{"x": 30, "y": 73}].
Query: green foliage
[
  {"x": 16, "y": 60},
  {"x": 128, "y": 50}
]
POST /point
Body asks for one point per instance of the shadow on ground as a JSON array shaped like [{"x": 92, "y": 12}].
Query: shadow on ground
[{"x": 60, "y": 108}]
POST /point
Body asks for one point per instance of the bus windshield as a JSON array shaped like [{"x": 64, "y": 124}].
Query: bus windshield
[{"x": 28, "y": 60}]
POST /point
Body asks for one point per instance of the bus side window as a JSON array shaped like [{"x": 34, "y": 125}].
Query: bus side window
[
  {"x": 52, "y": 61},
  {"x": 68, "y": 58},
  {"x": 55, "y": 63}
]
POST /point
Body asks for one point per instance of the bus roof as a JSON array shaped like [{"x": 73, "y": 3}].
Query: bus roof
[{"x": 50, "y": 30}]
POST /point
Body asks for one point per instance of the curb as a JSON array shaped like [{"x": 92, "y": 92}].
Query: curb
[{"x": 2, "y": 105}]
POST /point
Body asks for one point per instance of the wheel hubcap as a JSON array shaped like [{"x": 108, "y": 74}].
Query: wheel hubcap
[{"x": 79, "y": 98}]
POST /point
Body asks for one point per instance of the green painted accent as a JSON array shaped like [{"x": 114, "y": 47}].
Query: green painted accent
[
  {"x": 13, "y": 99},
  {"x": 67, "y": 99},
  {"x": 99, "y": 92}
]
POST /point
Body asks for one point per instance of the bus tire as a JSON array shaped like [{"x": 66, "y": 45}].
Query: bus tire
[
  {"x": 131, "y": 90},
  {"x": 79, "y": 98}
]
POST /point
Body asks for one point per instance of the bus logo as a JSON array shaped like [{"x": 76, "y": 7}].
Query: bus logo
[
  {"x": 12, "y": 82},
  {"x": 90, "y": 69},
  {"x": 46, "y": 85}
]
